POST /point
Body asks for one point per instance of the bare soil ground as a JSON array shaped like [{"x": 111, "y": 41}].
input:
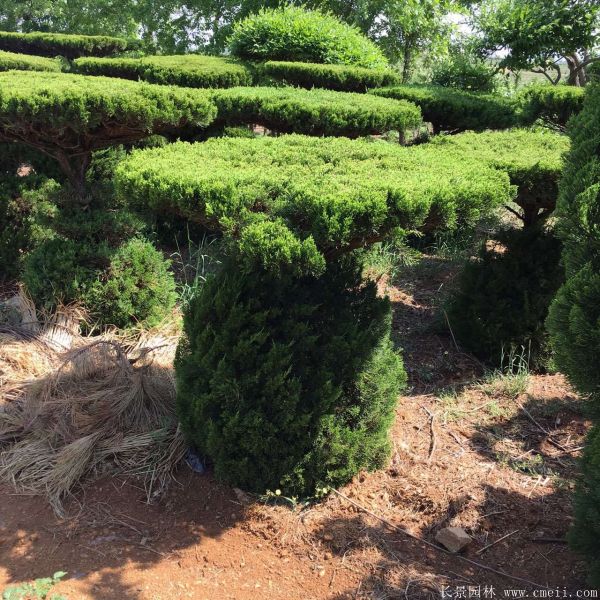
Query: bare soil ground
[{"x": 496, "y": 457}]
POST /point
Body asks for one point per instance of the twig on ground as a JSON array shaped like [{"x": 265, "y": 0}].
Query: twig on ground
[
  {"x": 497, "y": 541},
  {"x": 433, "y": 444},
  {"x": 544, "y": 430},
  {"x": 435, "y": 546}
]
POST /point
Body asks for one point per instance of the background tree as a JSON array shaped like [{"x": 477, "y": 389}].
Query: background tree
[{"x": 540, "y": 34}]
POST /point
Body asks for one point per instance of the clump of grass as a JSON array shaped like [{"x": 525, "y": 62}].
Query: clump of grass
[
  {"x": 386, "y": 259},
  {"x": 532, "y": 465},
  {"x": 38, "y": 590},
  {"x": 512, "y": 378}
]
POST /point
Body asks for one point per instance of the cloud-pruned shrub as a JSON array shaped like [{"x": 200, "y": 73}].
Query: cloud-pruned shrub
[
  {"x": 286, "y": 374},
  {"x": 189, "y": 70},
  {"x": 296, "y": 34},
  {"x": 341, "y": 78},
  {"x": 299, "y": 201},
  {"x": 62, "y": 44},
  {"x": 25, "y": 62},
  {"x": 70, "y": 116},
  {"x": 454, "y": 110},
  {"x": 313, "y": 112}
]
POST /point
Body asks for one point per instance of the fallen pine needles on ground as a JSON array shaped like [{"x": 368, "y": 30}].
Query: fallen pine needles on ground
[{"x": 75, "y": 407}]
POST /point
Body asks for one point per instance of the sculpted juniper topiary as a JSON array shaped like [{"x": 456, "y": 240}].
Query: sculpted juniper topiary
[{"x": 286, "y": 374}]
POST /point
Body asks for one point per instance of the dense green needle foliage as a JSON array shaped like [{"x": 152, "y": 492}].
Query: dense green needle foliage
[
  {"x": 98, "y": 259},
  {"x": 61, "y": 44},
  {"x": 503, "y": 297},
  {"x": 553, "y": 104},
  {"x": 288, "y": 383},
  {"x": 25, "y": 62},
  {"x": 70, "y": 116},
  {"x": 314, "y": 112},
  {"x": 533, "y": 160},
  {"x": 574, "y": 319},
  {"x": 297, "y": 201},
  {"x": 189, "y": 70},
  {"x": 295, "y": 34},
  {"x": 342, "y": 78},
  {"x": 450, "y": 109}
]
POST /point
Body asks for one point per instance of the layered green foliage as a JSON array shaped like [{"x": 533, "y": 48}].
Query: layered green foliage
[
  {"x": 342, "y": 78},
  {"x": 295, "y": 34},
  {"x": 70, "y": 116},
  {"x": 456, "y": 110},
  {"x": 503, "y": 297},
  {"x": 574, "y": 319},
  {"x": 585, "y": 533},
  {"x": 553, "y": 104},
  {"x": 288, "y": 383},
  {"x": 60, "y": 44},
  {"x": 190, "y": 70},
  {"x": 24, "y": 62},
  {"x": 314, "y": 112},
  {"x": 533, "y": 160},
  {"x": 300, "y": 201},
  {"x": 97, "y": 259}
]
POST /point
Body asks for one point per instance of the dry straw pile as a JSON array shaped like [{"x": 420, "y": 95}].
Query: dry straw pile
[{"x": 74, "y": 407}]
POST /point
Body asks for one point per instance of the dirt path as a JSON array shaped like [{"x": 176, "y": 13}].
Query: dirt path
[{"x": 482, "y": 463}]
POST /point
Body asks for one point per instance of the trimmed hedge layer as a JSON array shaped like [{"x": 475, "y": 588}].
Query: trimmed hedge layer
[
  {"x": 70, "y": 116},
  {"x": 300, "y": 201},
  {"x": 532, "y": 159},
  {"x": 456, "y": 110},
  {"x": 554, "y": 104},
  {"x": 24, "y": 62},
  {"x": 295, "y": 34},
  {"x": 342, "y": 78},
  {"x": 314, "y": 112},
  {"x": 192, "y": 70},
  {"x": 61, "y": 44}
]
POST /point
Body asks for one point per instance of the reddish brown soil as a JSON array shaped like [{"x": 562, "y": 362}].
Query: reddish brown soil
[{"x": 481, "y": 463}]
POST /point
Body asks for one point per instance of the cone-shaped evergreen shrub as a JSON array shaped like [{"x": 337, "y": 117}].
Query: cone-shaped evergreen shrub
[
  {"x": 585, "y": 534},
  {"x": 287, "y": 382},
  {"x": 296, "y": 34},
  {"x": 189, "y": 70},
  {"x": 503, "y": 297},
  {"x": 574, "y": 319},
  {"x": 70, "y": 116}
]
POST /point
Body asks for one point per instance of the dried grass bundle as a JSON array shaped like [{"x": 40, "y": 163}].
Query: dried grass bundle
[{"x": 73, "y": 407}]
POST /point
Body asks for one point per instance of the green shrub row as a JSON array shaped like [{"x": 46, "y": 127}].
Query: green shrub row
[
  {"x": 456, "y": 110},
  {"x": 553, "y": 104},
  {"x": 24, "y": 62},
  {"x": 191, "y": 70},
  {"x": 574, "y": 319},
  {"x": 61, "y": 44},
  {"x": 342, "y": 78},
  {"x": 295, "y": 34},
  {"x": 299, "y": 201},
  {"x": 313, "y": 112}
]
